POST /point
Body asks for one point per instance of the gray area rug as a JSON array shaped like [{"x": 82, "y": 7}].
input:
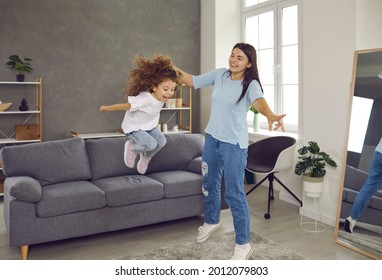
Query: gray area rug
[
  {"x": 373, "y": 243},
  {"x": 218, "y": 247}
]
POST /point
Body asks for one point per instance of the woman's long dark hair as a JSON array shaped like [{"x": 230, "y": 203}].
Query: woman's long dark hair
[{"x": 251, "y": 73}]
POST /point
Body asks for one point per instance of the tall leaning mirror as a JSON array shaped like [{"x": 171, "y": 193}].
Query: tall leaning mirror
[{"x": 363, "y": 231}]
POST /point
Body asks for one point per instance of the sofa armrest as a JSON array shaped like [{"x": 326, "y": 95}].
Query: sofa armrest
[
  {"x": 195, "y": 165},
  {"x": 23, "y": 188}
]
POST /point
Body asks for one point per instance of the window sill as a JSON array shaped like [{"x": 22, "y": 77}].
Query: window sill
[{"x": 263, "y": 133}]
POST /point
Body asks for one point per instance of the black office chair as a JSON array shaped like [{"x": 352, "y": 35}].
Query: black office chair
[{"x": 269, "y": 156}]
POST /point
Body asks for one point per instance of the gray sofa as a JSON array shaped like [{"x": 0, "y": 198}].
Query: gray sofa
[
  {"x": 354, "y": 180},
  {"x": 69, "y": 188}
]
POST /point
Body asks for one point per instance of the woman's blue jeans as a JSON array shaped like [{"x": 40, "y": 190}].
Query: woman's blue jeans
[
  {"x": 372, "y": 185},
  {"x": 219, "y": 157},
  {"x": 147, "y": 142}
]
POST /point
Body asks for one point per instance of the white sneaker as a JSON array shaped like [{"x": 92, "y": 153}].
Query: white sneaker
[
  {"x": 242, "y": 254},
  {"x": 349, "y": 224},
  {"x": 206, "y": 231}
]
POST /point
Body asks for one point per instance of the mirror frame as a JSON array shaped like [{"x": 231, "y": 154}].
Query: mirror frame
[{"x": 352, "y": 88}]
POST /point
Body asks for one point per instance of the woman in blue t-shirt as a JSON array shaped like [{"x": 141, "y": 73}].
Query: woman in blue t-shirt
[{"x": 234, "y": 90}]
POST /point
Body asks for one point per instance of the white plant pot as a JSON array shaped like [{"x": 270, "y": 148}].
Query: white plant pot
[{"x": 312, "y": 186}]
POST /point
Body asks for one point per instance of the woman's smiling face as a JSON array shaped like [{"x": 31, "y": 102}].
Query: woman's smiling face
[{"x": 238, "y": 63}]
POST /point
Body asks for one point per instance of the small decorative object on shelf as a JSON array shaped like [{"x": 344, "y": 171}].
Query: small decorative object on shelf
[
  {"x": 171, "y": 103},
  {"x": 4, "y": 106},
  {"x": 27, "y": 131},
  {"x": 22, "y": 66},
  {"x": 178, "y": 102},
  {"x": 24, "y": 105}
]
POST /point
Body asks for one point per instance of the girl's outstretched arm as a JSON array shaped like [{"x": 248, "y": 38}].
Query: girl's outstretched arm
[{"x": 115, "y": 107}]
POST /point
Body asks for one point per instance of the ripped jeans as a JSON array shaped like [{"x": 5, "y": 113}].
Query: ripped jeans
[
  {"x": 371, "y": 186},
  {"x": 148, "y": 142},
  {"x": 219, "y": 157}
]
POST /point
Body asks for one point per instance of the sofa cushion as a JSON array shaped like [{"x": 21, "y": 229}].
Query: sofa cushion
[
  {"x": 177, "y": 153},
  {"x": 179, "y": 183},
  {"x": 24, "y": 188},
  {"x": 127, "y": 190},
  {"x": 69, "y": 197},
  {"x": 106, "y": 158},
  {"x": 48, "y": 162}
]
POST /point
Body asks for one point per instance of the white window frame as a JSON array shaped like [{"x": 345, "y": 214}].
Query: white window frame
[{"x": 276, "y": 6}]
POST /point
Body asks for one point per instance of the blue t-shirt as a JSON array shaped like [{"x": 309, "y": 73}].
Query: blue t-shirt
[{"x": 228, "y": 119}]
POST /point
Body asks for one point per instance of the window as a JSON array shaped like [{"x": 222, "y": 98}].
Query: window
[
  {"x": 248, "y": 3},
  {"x": 359, "y": 120},
  {"x": 271, "y": 26}
]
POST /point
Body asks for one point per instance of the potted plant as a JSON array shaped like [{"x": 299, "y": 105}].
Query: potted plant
[
  {"x": 311, "y": 165},
  {"x": 256, "y": 122},
  {"x": 22, "y": 66}
]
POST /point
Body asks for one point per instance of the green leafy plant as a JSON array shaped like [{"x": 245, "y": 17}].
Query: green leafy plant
[
  {"x": 20, "y": 65},
  {"x": 312, "y": 161},
  {"x": 251, "y": 108}
]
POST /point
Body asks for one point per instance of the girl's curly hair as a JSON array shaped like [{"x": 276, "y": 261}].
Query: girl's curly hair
[{"x": 149, "y": 73}]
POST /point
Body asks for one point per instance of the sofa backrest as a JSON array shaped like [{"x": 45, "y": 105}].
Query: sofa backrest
[
  {"x": 106, "y": 155},
  {"x": 354, "y": 178},
  {"x": 48, "y": 162},
  {"x": 178, "y": 152}
]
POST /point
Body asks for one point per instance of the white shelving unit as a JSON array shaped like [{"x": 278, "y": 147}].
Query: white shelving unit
[
  {"x": 181, "y": 112},
  {"x": 35, "y": 113},
  {"x": 184, "y": 127}
]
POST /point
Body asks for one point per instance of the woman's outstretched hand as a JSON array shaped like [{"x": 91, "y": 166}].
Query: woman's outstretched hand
[{"x": 278, "y": 119}]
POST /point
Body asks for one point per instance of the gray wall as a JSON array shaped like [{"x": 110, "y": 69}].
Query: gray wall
[{"x": 84, "y": 49}]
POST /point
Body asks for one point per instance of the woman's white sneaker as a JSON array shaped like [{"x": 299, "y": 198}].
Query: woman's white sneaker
[
  {"x": 242, "y": 253},
  {"x": 205, "y": 232}
]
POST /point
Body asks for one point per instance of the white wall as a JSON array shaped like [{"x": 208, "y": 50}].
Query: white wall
[
  {"x": 369, "y": 23},
  {"x": 329, "y": 40},
  {"x": 220, "y": 31}
]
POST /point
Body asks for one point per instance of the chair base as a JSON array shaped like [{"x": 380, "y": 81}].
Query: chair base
[{"x": 271, "y": 177}]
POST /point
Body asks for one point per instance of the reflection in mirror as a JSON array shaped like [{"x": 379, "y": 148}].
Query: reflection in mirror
[{"x": 360, "y": 227}]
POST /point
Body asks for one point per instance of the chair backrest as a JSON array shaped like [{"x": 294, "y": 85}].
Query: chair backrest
[{"x": 271, "y": 154}]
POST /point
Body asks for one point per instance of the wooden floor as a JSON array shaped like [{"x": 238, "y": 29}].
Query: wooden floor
[{"x": 283, "y": 228}]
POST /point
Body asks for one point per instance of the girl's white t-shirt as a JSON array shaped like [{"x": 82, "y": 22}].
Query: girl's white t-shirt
[{"x": 144, "y": 113}]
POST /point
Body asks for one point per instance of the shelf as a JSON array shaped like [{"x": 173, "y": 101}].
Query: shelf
[
  {"x": 97, "y": 135},
  {"x": 19, "y": 83},
  {"x": 180, "y": 131},
  {"x": 14, "y": 141},
  {"x": 20, "y": 112},
  {"x": 172, "y": 109}
]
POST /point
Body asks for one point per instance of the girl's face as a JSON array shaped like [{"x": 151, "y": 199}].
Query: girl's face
[
  {"x": 238, "y": 63},
  {"x": 164, "y": 91}
]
